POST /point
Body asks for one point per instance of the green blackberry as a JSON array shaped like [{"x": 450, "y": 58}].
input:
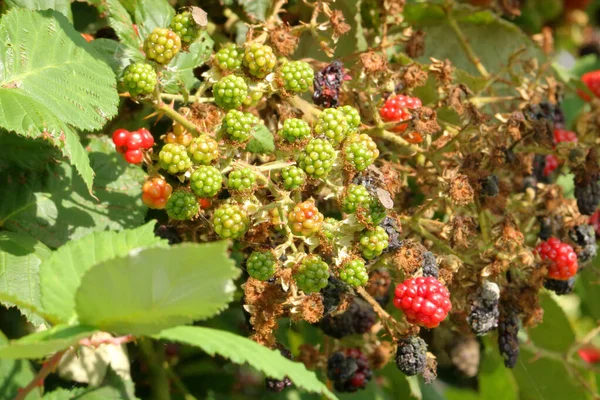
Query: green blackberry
[
  {"x": 354, "y": 273},
  {"x": 253, "y": 97},
  {"x": 332, "y": 123},
  {"x": 230, "y": 221},
  {"x": 318, "y": 158},
  {"x": 203, "y": 150},
  {"x": 229, "y": 58},
  {"x": 174, "y": 158},
  {"x": 295, "y": 129},
  {"x": 242, "y": 180},
  {"x": 312, "y": 274},
  {"x": 182, "y": 205},
  {"x": 373, "y": 243},
  {"x": 230, "y": 92},
  {"x": 261, "y": 265},
  {"x": 374, "y": 214},
  {"x": 206, "y": 181},
  {"x": 139, "y": 78},
  {"x": 352, "y": 116},
  {"x": 237, "y": 125},
  {"x": 185, "y": 27},
  {"x": 292, "y": 177},
  {"x": 328, "y": 228},
  {"x": 360, "y": 151},
  {"x": 162, "y": 45},
  {"x": 259, "y": 59},
  {"x": 356, "y": 196},
  {"x": 297, "y": 76}
]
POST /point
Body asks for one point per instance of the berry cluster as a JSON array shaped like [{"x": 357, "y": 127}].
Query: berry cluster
[
  {"x": 411, "y": 355},
  {"x": 561, "y": 258},
  {"x": 130, "y": 144},
  {"x": 156, "y": 192},
  {"x": 395, "y": 109},
  {"x": 424, "y": 301}
]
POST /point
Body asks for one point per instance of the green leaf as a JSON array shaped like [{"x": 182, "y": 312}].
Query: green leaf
[
  {"x": 493, "y": 39},
  {"x": 120, "y": 20},
  {"x": 150, "y": 14},
  {"x": 14, "y": 375},
  {"x": 117, "y": 55},
  {"x": 157, "y": 288},
  {"x": 256, "y": 10},
  {"x": 62, "y": 6},
  {"x": 113, "y": 388},
  {"x": 242, "y": 350},
  {"x": 20, "y": 259},
  {"x": 567, "y": 183},
  {"x": 555, "y": 332},
  {"x": 49, "y": 96},
  {"x": 180, "y": 73},
  {"x": 262, "y": 141},
  {"x": 61, "y": 274},
  {"x": 589, "y": 290},
  {"x": 40, "y": 344},
  {"x": 54, "y": 205},
  {"x": 25, "y": 153}
]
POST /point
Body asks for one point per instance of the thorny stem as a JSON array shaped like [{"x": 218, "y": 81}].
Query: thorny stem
[
  {"x": 383, "y": 315},
  {"x": 38, "y": 380},
  {"x": 465, "y": 44},
  {"x": 396, "y": 139},
  {"x": 190, "y": 99},
  {"x": 158, "y": 373},
  {"x": 175, "y": 116}
]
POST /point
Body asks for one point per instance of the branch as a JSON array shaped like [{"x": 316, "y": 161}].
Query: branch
[
  {"x": 175, "y": 116},
  {"x": 38, "y": 380},
  {"x": 158, "y": 373},
  {"x": 465, "y": 45}
]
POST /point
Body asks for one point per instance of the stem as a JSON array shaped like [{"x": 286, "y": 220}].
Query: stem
[
  {"x": 190, "y": 99},
  {"x": 158, "y": 373},
  {"x": 396, "y": 139},
  {"x": 465, "y": 45},
  {"x": 38, "y": 380},
  {"x": 180, "y": 385},
  {"x": 175, "y": 116},
  {"x": 586, "y": 340}
]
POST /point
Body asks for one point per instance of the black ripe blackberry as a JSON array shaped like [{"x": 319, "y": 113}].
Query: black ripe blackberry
[
  {"x": 539, "y": 164},
  {"x": 489, "y": 186},
  {"x": 332, "y": 294},
  {"x": 484, "y": 313},
  {"x": 560, "y": 287},
  {"x": 379, "y": 284},
  {"x": 429, "y": 265},
  {"x": 508, "y": 343},
  {"x": 357, "y": 319},
  {"x": 327, "y": 84},
  {"x": 390, "y": 225},
  {"x": 276, "y": 385},
  {"x": 168, "y": 232},
  {"x": 587, "y": 193},
  {"x": 411, "y": 355},
  {"x": 585, "y": 237},
  {"x": 349, "y": 370}
]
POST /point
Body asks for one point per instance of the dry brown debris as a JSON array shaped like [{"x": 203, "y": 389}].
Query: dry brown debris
[
  {"x": 415, "y": 46},
  {"x": 283, "y": 40},
  {"x": 373, "y": 63}
]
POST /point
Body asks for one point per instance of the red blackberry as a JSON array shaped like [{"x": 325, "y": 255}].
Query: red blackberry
[
  {"x": 424, "y": 301},
  {"x": 562, "y": 260}
]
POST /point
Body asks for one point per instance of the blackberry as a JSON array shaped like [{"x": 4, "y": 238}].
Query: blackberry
[
  {"x": 295, "y": 129},
  {"x": 391, "y": 227},
  {"x": 162, "y": 45},
  {"x": 169, "y": 233},
  {"x": 203, "y": 150},
  {"x": 261, "y": 265},
  {"x": 585, "y": 237},
  {"x": 230, "y": 92},
  {"x": 411, "y": 355},
  {"x": 276, "y": 385},
  {"x": 297, "y": 76},
  {"x": 312, "y": 274},
  {"x": 372, "y": 215},
  {"x": 139, "y": 78},
  {"x": 332, "y": 294},
  {"x": 379, "y": 284},
  {"x": 560, "y": 287},
  {"x": 230, "y": 221},
  {"x": 182, "y": 205},
  {"x": 318, "y": 158},
  {"x": 242, "y": 180},
  {"x": 292, "y": 177},
  {"x": 185, "y": 27},
  {"x": 253, "y": 97},
  {"x": 328, "y": 83},
  {"x": 332, "y": 123},
  {"x": 237, "y": 125},
  {"x": 305, "y": 219},
  {"x": 484, "y": 313},
  {"x": 229, "y": 58},
  {"x": 429, "y": 265},
  {"x": 489, "y": 186},
  {"x": 354, "y": 273},
  {"x": 352, "y": 116},
  {"x": 329, "y": 227},
  {"x": 259, "y": 60},
  {"x": 349, "y": 371},
  {"x": 358, "y": 318},
  {"x": 587, "y": 193},
  {"x": 508, "y": 342},
  {"x": 206, "y": 181},
  {"x": 174, "y": 158},
  {"x": 372, "y": 243},
  {"x": 356, "y": 196},
  {"x": 360, "y": 151}
]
